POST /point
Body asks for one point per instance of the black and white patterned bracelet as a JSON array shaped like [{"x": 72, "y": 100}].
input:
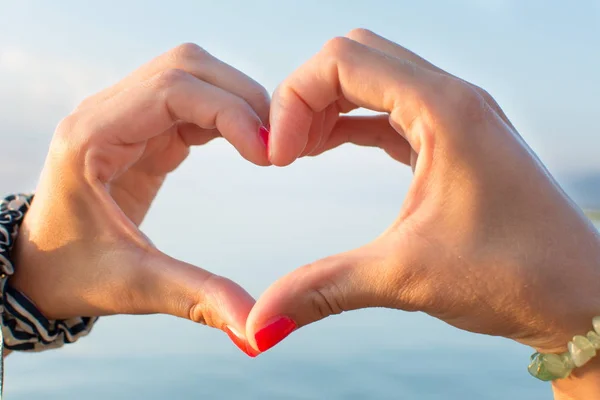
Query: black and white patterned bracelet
[{"x": 24, "y": 328}]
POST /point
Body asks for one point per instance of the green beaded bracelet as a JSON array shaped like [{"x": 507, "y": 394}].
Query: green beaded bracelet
[{"x": 548, "y": 367}]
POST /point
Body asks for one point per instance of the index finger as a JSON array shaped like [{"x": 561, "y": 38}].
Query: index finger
[
  {"x": 344, "y": 70},
  {"x": 198, "y": 62},
  {"x": 112, "y": 137}
]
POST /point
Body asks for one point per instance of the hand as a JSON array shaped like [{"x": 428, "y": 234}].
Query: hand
[
  {"x": 79, "y": 252},
  {"x": 136, "y": 188},
  {"x": 485, "y": 240}
]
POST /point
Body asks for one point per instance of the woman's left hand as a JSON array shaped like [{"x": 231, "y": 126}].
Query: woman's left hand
[{"x": 79, "y": 251}]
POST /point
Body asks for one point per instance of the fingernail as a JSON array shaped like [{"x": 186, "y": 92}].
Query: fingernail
[
  {"x": 263, "y": 133},
  {"x": 274, "y": 332},
  {"x": 236, "y": 338}
]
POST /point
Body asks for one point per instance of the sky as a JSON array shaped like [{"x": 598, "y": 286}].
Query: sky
[{"x": 539, "y": 59}]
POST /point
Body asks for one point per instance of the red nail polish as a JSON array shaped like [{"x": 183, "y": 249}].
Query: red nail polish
[
  {"x": 241, "y": 343},
  {"x": 263, "y": 133},
  {"x": 274, "y": 332}
]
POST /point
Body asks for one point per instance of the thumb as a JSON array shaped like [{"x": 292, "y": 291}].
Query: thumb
[
  {"x": 347, "y": 281},
  {"x": 183, "y": 290}
]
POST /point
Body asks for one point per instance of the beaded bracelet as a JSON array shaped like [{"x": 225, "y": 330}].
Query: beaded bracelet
[
  {"x": 548, "y": 367},
  {"x": 24, "y": 328}
]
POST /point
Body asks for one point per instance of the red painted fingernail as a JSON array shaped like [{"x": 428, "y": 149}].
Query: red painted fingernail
[
  {"x": 274, "y": 332},
  {"x": 241, "y": 343},
  {"x": 263, "y": 133}
]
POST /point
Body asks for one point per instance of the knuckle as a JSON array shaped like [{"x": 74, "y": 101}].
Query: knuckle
[
  {"x": 188, "y": 51},
  {"x": 327, "y": 297},
  {"x": 338, "y": 46},
  {"x": 197, "y": 313},
  {"x": 202, "y": 307},
  {"x": 360, "y": 34},
  {"x": 78, "y": 141},
  {"x": 324, "y": 302},
  {"x": 262, "y": 96},
  {"x": 238, "y": 106},
  {"x": 489, "y": 99},
  {"x": 67, "y": 125},
  {"x": 75, "y": 128},
  {"x": 482, "y": 92},
  {"x": 87, "y": 102},
  {"x": 233, "y": 115},
  {"x": 170, "y": 77},
  {"x": 469, "y": 104},
  {"x": 260, "y": 99},
  {"x": 485, "y": 95}
]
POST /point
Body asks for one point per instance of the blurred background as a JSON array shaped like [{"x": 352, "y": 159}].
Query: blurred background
[{"x": 539, "y": 59}]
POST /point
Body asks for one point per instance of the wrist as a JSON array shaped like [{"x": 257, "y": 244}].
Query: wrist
[
  {"x": 568, "y": 295},
  {"x": 583, "y": 383},
  {"x": 575, "y": 305}
]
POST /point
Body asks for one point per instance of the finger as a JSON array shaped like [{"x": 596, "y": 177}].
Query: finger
[
  {"x": 344, "y": 70},
  {"x": 169, "y": 286},
  {"x": 193, "y": 135},
  {"x": 344, "y": 282},
  {"x": 315, "y": 132},
  {"x": 375, "y": 41},
  {"x": 182, "y": 135},
  {"x": 370, "y": 131},
  {"x": 150, "y": 108},
  {"x": 198, "y": 62},
  {"x": 371, "y": 39}
]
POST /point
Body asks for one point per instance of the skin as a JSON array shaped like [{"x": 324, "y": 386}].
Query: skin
[
  {"x": 79, "y": 251},
  {"x": 485, "y": 239}
]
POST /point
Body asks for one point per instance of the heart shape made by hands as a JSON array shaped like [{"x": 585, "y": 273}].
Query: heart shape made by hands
[{"x": 80, "y": 251}]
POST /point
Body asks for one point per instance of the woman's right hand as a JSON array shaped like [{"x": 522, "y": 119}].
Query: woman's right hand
[
  {"x": 79, "y": 251},
  {"x": 486, "y": 240}
]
